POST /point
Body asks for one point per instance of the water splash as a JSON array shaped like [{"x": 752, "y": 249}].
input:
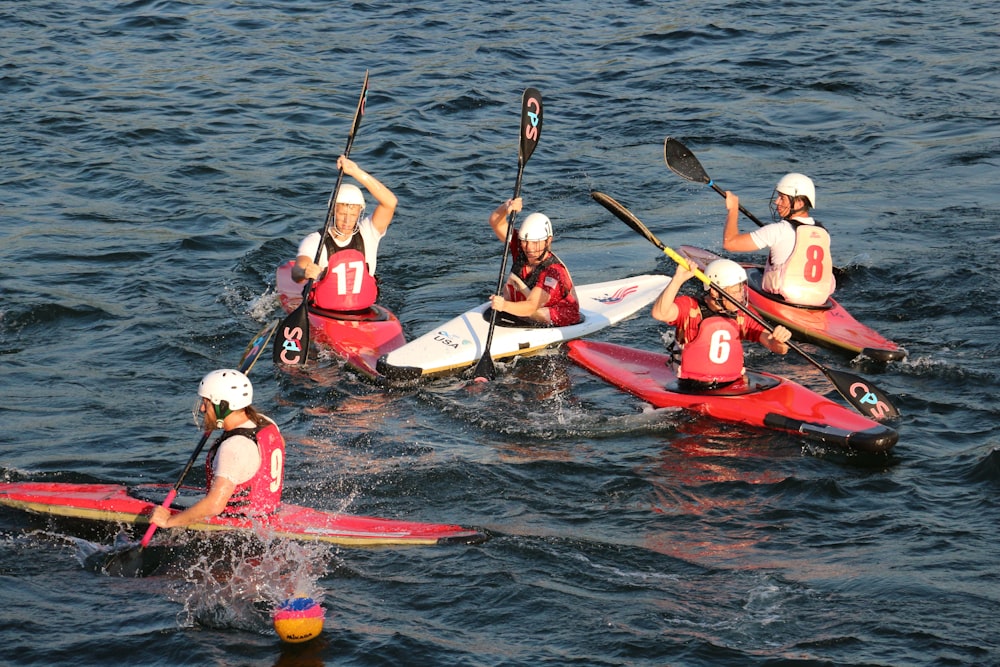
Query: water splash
[{"x": 238, "y": 583}]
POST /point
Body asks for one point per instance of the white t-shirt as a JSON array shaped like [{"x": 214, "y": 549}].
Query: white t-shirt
[
  {"x": 779, "y": 237},
  {"x": 368, "y": 232},
  {"x": 237, "y": 458}
]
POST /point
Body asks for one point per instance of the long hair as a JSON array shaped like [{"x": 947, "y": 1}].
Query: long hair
[{"x": 255, "y": 417}]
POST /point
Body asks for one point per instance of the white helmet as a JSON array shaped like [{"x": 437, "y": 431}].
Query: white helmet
[
  {"x": 226, "y": 386},
  {"x": 797, "y": 185},
  {"x": 725, "y": 273},
  {"x": 350, "y": 194},
  {"x": 536, "y": 227}
]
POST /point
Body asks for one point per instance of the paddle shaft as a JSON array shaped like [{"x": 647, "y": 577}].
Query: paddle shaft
[
  {"x": 872, "y": 402},
  {"x": 292, "y": 347},
  {"x": 485, "y": 368},
  {"x": 331, "y": 207},
  {"x": 173, "y": 492},
  {"x": 743, "y": 209}
]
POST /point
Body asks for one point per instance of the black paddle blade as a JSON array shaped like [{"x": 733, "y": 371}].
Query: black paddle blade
[
  {"x": 626, "y": 216},
  {"x": 682, "y": 162},
  {"x": 531, "y": 124},
  {"x": 129, "y": 561},
  {"x": 291, "y": 345},
  {"x": 868, "y": 399},
  {"x": 358, "y": 113},
  {"x": 485, "y": 369}
]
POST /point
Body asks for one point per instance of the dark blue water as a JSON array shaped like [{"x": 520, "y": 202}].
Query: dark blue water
[{"x": 161, "y": 158}]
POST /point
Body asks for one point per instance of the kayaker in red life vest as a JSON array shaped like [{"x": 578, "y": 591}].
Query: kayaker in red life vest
[
  {"x": 539, "y": 288},
  {"x": 245, "y": 466},
  {"x": 709, "y": 330},
  {"x": 799, "y": 265},
  {"x": 350, "y": 284}
]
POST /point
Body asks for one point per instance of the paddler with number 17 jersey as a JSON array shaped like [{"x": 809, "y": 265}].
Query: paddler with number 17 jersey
[
  {"x": 708, "y": 348},
  {"x": 539, "y": 288},
  {"x": 353, "y": 238}
]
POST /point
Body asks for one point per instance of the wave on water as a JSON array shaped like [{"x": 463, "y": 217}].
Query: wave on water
[
  {"x": 986, "y": 470},
  {"x": 535, "y": 398}
]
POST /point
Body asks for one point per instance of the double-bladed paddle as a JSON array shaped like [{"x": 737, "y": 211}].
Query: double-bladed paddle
[
  {"x": 868, "y": 399},
  {"x": 292, "y": 346},
  {"x": 128, "y": 561},
  {"x": 531, "y": 130}
]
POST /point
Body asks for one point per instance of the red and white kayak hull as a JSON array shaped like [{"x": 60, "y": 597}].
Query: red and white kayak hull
[
  {"x": 765, "y": 401},
  {"x": 112, "y": 503}
]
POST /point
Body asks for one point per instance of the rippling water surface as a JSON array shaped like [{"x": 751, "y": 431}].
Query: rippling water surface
[{"x": 161, "y": 158}]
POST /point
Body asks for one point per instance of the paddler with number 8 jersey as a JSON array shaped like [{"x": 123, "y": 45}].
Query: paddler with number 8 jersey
[
  {"x": 708, "y": 348},
  {"x": 244, "y": 469},
  {"x": 799, "y": 266}
]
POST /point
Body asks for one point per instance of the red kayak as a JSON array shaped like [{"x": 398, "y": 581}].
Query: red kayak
[
  {"x": 829, "y": 325},
  {"x": 112, "y": 503},
  {"x": 360, "y": 338},
  {"x": 764, "y": 400}
]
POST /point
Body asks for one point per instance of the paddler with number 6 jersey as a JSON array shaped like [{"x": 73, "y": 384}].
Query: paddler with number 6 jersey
[
  {"x": 244, "y": 469},
  {"x": 707, "y": 349},
  {"x": 799, "y": 266},
  {"x": 539, "y": 288}
]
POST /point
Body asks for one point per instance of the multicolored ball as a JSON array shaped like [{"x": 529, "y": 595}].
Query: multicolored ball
[{"x": 298, "y": 620}]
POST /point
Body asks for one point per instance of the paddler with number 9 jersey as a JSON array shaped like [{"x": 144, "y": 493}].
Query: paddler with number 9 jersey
[
  {"x": 245, "y": 466},
  {"x": 708, "y": 351},
  {"x": 799, "y": 266}
]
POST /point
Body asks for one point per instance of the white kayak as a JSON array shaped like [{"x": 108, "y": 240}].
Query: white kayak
[{"x": 459, "y": 342}]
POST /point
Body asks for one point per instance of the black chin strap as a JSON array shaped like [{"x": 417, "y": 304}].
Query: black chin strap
[{"x": 721, "y": 302}]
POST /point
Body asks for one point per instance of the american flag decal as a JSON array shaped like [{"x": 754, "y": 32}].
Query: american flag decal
[{"x": 619, "y": 295}]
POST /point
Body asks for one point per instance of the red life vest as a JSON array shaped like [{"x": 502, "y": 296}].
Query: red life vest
[
  {"x": 564, "y": 308},
  {"x": 715, "y": 354},
  {"x": 806, "y": 278},
  {"x": 261, "y": 495},
  {"x": 346, "y": 285}
]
